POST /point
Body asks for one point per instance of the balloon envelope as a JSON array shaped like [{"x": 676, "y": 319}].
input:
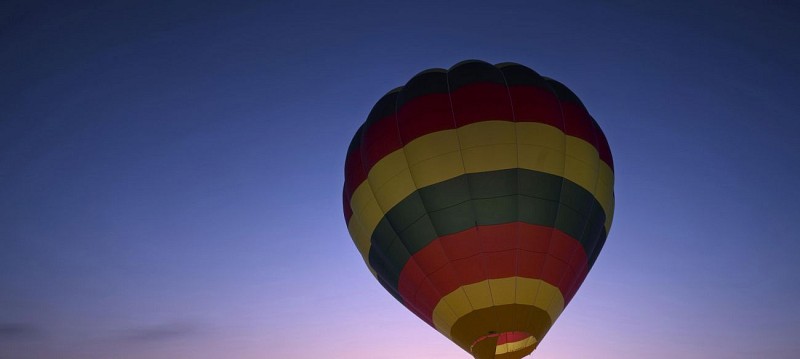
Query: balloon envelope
[{"x": 480, "y": 197}]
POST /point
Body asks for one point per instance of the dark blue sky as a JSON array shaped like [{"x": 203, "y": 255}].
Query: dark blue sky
[{"x": 170, "y": 173}]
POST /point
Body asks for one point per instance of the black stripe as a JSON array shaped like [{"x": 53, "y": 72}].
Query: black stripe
[
  {"x": 424, "y": 83},
  {"x": 517, "y": 75},
  {"x": 563, "y": 92},
  {"x": 471, "y": 71},
  {"x": 383, "y": 108}
]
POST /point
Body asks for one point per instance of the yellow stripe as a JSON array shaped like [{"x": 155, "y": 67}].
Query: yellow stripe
[
  {"x": 432, "y": 145},
  {"x": 493, "y": 292},
  {"x": 367, "y": 213},
  {"x": 539, "y": 134},
  {"x": 438, "y": 169},
  {"x": 477, "y": 147},
  {"x": 356, "y": 230},
  {"x": 514, "y": 346}
]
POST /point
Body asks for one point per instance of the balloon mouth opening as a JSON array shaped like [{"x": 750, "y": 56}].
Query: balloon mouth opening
[{"x": 505, "y": 342}]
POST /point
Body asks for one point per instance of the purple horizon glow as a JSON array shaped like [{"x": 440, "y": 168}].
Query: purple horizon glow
[{"x": 171, "y": 173}]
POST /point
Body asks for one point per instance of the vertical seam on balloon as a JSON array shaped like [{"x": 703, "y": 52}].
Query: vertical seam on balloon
[
  {"x": 469, "y": 186},
  {"x": 548, "y": 256},
  {"x": 355, "y": 216},
  {"x": 383, "y": 211},
  {"x": 516, "y": 178},
  {"x": 576, "y": 282},
  {"x": 411, "y": 258},
  {"x": 597, "y": 246},
  {"x": 581, "y": 237},
  {"x": 593, "y": 205},
  {"x": 592, "y": 208}
]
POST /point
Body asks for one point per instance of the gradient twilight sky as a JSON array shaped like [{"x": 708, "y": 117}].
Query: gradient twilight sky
[{"x": 171, "y": 172}]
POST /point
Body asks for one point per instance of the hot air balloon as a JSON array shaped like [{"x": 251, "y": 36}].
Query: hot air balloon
[{"x": 480, "y": 197}]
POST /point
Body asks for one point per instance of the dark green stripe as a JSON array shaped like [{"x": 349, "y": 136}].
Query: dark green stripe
[{"x": 486, "y": 198}]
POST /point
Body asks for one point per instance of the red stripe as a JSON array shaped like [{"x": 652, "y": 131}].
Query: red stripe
[
  {"x": 535, "y": 104},
  {"x": 481, "y": 101},
  {"x": 354, "y": 172},
  {"x": 503, "y": 338},
  {"x": 578, "y": 123},
  {"x": 491, "y": 252},
  {"x": 380, "y": 139},
  {"x": 423, "y": 115}
]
